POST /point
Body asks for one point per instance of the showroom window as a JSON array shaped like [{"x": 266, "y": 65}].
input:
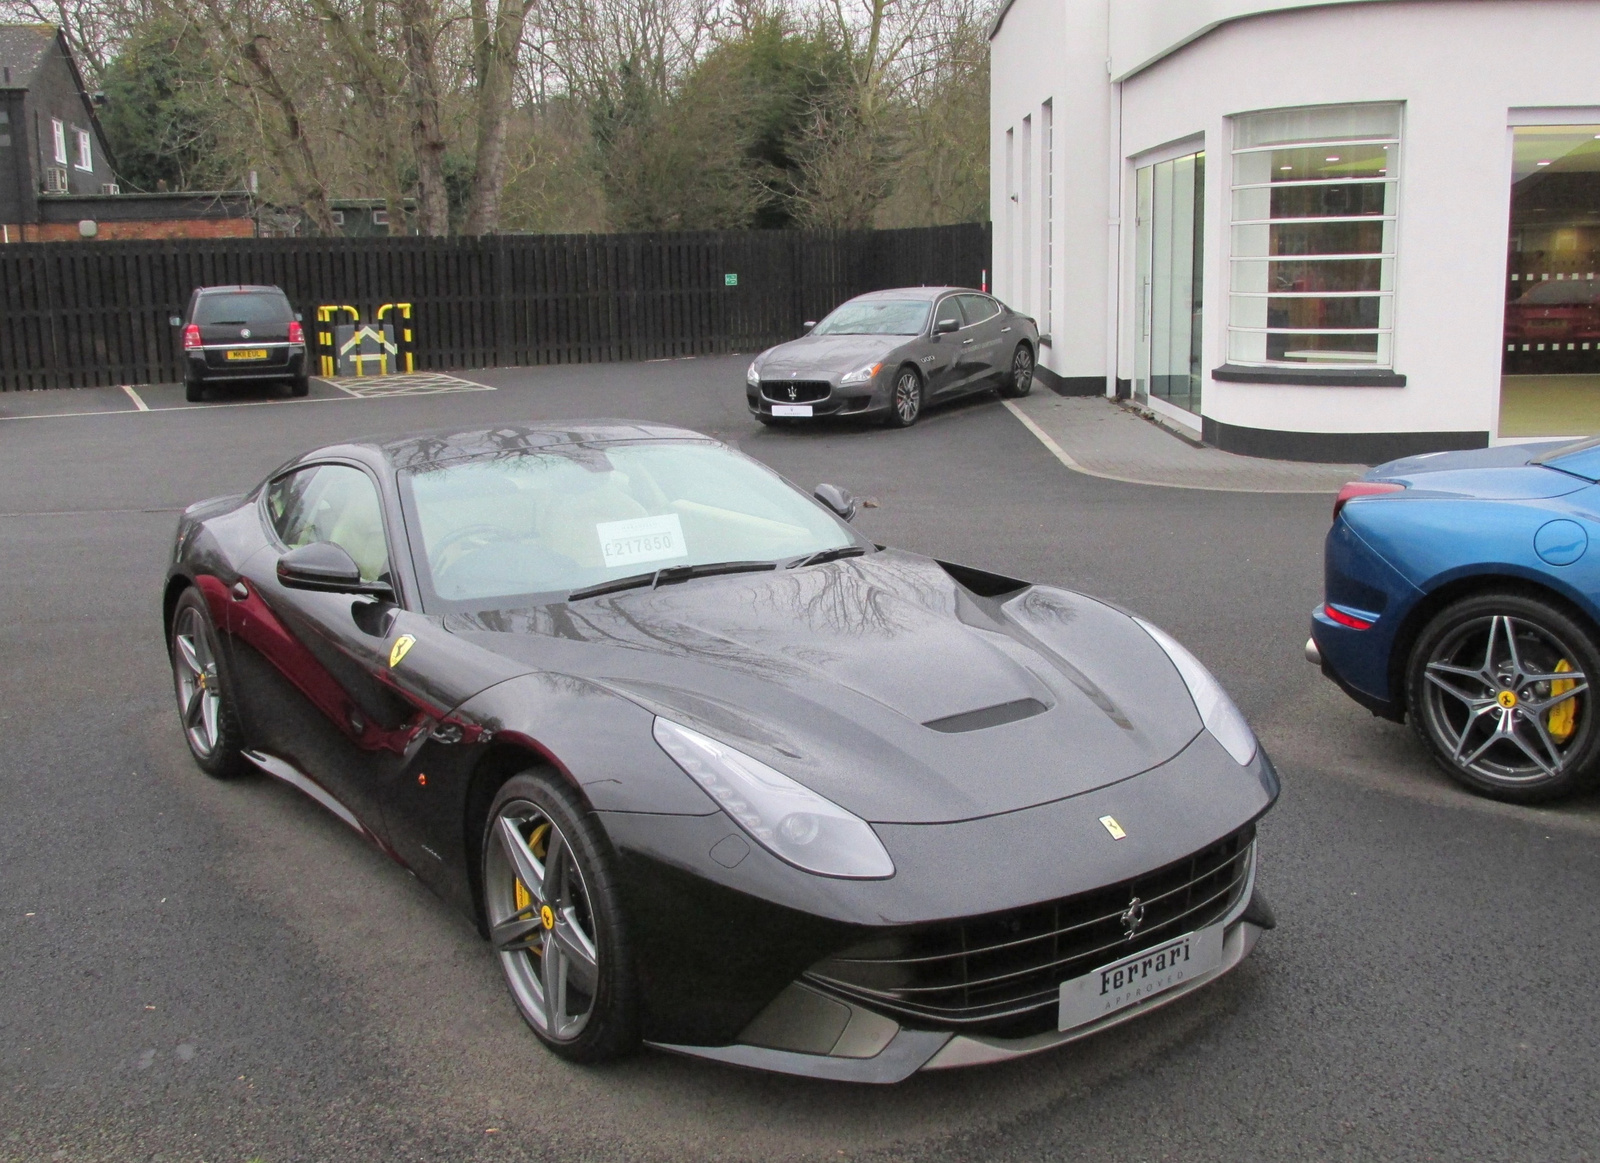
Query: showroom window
[
  {"x": 1315, "y": 199},
  {"x": 1550, "y": 383}
]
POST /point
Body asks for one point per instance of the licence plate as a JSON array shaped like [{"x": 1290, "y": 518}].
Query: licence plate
[
  {"x": 1144, "y": 974},
  {"x": 791, "y": 409},
  {"x": 248, "y": 353}
]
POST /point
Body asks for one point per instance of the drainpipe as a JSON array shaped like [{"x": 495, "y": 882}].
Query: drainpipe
[{"x": 1114, "y": 179}]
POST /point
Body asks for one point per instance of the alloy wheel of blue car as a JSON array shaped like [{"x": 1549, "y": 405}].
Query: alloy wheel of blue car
[{"x": 1499, "y": 688}]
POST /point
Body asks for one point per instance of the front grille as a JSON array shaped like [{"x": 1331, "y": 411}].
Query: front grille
[
  {"x": 805, "y": 391},
  {"x": 1002, "y": 973}
]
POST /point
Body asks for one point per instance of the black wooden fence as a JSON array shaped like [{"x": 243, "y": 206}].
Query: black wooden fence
[{"x": 91, "y": 313}]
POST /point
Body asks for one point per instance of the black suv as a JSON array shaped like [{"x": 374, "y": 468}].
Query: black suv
[{"x": 234, "y": 334}]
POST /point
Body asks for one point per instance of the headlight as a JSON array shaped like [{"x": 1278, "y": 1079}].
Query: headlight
[
  {"x": 861, "y": 375},
  {"x": 753, "y": 377},
  {"x": 1216, "y": 709},
  {"x": 792, "y": 822}
]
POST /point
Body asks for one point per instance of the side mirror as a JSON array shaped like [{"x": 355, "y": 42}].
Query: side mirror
[
  {"x": 838, "y": 500},
  {"x": 809, "y": 324},
  {"x": 175, "y": 320},
  {"x": 946, "y": 326},
  {"x": 299, "y": 318},
  {"x": 326, "y": 568}
]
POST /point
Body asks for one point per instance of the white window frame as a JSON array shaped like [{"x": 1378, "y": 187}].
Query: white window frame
[
  {"x": 58, "y": 134},
  {"x": 85, "y": 158},
  {"x": 1047, "y": 212},
  {"x": 1384, "y": 356}
]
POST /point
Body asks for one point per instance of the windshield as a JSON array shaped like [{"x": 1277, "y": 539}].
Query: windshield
[
  {"x": 876, "y": 317},
  {"x": 544, "y": 523},
  {"x": 1574, "y": 292},
  {"x": 244, "y": 308}
]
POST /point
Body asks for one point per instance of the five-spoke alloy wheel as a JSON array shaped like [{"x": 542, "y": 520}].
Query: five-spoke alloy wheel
[
  {"x": 204, "y": 704},
  {"x": 1499, "y": 689},
  {"x": 906, "y": 401},
  {"x": 1019, "y": 380},
  {"x": 553, "y": 917}
]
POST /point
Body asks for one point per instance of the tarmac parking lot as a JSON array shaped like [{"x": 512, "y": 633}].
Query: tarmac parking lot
[{"x": 198, "y": 970}]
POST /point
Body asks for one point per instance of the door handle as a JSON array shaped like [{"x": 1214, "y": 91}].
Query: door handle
[
  {"x": 964, "y": 342},
  {"x": 1003, "y": 330}
]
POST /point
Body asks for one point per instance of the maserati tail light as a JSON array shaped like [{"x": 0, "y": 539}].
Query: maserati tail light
[
  {"x": 191, "y": 336},
  {"x": 297, "y": 334},
  {"x": 1363, "y": 489}
]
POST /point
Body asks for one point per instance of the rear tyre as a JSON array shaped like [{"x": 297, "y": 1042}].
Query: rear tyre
[
  {"x": 193, "y": 391},
  {"x": 300, "y": 386},
  {"x": 905, "y": 400},
  {"x": 205, "y": 701},
  {"x": 555, "y": 918},
  {"x": 1498, "y": 688},
  {"x": 1019, "y": 380}
]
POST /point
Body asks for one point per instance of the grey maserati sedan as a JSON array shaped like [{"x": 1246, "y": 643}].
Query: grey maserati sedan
[{"x": 892, "y": 353}]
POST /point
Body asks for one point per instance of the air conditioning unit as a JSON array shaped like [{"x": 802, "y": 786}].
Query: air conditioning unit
[
  {"x": 55, "y": 180},
  {"x": 110, "y": 188}
]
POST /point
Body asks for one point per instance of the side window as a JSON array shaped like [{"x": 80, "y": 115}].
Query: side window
[
  {"x": 331, "y": 502},
  {"x": 977, "y": 308}
]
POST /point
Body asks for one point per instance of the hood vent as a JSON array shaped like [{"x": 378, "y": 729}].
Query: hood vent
[{"x": 988, "y": 716}]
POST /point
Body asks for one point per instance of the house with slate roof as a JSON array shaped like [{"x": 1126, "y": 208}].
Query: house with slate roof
[{"x": 57, "y": 176}]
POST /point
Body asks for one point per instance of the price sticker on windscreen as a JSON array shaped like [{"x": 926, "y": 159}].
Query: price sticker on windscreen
[{"x": 643, "y": 539}]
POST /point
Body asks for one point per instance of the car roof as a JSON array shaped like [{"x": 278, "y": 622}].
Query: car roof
[
  {"x": 928, "y": 293},
  {"x": 420, "y": 450},
  {"x": 235, "y": 289}
]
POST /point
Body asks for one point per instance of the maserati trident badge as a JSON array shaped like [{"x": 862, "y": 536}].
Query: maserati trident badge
[
  {"x": 1109, "y": 823},
  {"x": 794, "y": 392},
  {"x": 1132, "y": 919}
]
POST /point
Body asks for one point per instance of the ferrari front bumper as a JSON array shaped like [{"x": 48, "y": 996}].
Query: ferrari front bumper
[{"x": 868, "y": 1047}]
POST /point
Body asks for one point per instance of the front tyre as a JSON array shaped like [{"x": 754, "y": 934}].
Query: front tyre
[
  {"x": 905, "y": 400},
  {"x": 555, "y": 918},
  {"x": 205, "y": 704},
  {"x": 1019, "y": 380},
  {"x": 1498, "y": 687}
]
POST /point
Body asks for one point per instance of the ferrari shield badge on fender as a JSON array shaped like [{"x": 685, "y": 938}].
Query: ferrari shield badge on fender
[
  {"x": 1109, "y": 823},
  {"x": 398, "y": 651}
]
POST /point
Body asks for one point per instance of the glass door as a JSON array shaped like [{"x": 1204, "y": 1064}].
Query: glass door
[
  {"x": 1550, "y": 370},
  {"x": 1169, "y": 248}
]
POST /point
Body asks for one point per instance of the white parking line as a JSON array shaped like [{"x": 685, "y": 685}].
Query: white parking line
[
  {"x": 134, "y": 396},
  {"x": 178, "y": 408}
]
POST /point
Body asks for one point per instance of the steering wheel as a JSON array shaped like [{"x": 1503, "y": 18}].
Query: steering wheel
[{"x": 483, "y": 533}]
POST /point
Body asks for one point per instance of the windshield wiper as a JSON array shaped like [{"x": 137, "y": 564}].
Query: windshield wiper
[
  {"x": 823, "y": 555},
  {"x": 672, "y": 573}
]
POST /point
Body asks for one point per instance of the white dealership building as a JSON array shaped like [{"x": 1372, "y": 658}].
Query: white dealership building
[{"x": 1340, "y": 230}]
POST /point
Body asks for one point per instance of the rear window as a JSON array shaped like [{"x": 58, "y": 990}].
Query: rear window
[{"x": 245, "y": 308}]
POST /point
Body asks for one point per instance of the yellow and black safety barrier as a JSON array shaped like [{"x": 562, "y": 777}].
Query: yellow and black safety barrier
[{"x": 354, "y": 348}]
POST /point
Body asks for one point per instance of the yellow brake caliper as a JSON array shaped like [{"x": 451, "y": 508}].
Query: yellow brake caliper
[
  {"x": 1563, "y": 718},
  {"x": 538, "y": 844}
]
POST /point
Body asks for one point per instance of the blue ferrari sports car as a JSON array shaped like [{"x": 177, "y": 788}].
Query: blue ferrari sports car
[{"x": 1460, "y": 594}]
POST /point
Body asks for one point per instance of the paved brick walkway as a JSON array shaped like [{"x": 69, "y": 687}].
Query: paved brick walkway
[{"x": 1093, "y": 435}]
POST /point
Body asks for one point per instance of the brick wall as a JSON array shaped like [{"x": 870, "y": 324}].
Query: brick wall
[{"x": 150, "y": 229}]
